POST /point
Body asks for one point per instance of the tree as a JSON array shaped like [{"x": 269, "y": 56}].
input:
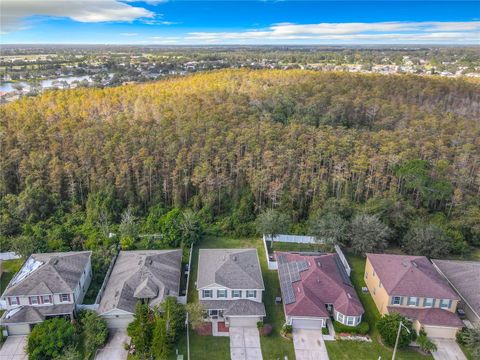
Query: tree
[
  {"x": 368, "y": 234},
  {"x": 195, "y": 312},
  {"x": 425, "y": 343},
  {"x": 428, "y": 240},
  {"x": 191, "y": 228},
  {"x": 160, "y": 343},
  {"x": 273, "y": 222},
  {"x": 388, "y": 328},
  {"x": 49, "y": 338},
  {"x": 141, "y": 329},
  {"x": 70, "y": 353},
  {"x": 94, "y": 331},
  {"x": 128, "y": 227},
  {"x": 472, "y": 340},
  {"x": 331, "y": 228}
]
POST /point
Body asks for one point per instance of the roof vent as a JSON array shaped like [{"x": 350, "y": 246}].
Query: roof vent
[
  {"x": 319, "y": 264},
  {"x": 234, "y": 257},
  {"x": 414, "y": 264},
  {"x": 349, "y": 296},
  {"x": 405, "y": 263},
  {"x": 55, "y": 261}
]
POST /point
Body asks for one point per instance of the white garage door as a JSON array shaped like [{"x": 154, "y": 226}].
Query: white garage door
[
  {"x": 244, "y": 321},
  {"x": 307, "y": 323},
  {"x": 120, "y": 322},
  {"x": 20, "y": 329},
  {"x": 440, "y": 332}
]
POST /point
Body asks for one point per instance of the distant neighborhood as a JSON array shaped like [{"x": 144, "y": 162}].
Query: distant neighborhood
[{"x": 319, "y": 301}]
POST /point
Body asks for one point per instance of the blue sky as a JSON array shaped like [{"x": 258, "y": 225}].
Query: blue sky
[{"x": 239, "y": 22}]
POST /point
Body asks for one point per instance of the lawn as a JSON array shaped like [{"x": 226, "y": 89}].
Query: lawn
[
  {"x": 373, "y": 350},
  {"x": 9, "y": 268},
  {"x": 286, "y": 246},
  {"x": 218, "y": 348}
]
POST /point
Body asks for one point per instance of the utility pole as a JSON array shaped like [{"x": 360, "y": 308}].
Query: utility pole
[
  {"x": 398, "y": 337},
  {"x": 188, "y": 337}
]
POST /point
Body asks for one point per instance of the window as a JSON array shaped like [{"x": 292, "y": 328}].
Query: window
[
  {"x": 366, "y": 275},
  {"x": 14, "y": 300},
  {"x": 380, "y": 284},
  {"x": 64, "y": 297},
  {"x": 236, "y": 293},
  {"x": 251, "y": 293},
  {"x": 34, "y": 300},
  {"x": 207, "y": 293},
  {"x": 373, "y": 273},
  {"x": 374, "y": 291},
  {"x": 397, "y": 300},
  {"x": 350, "y": 320},
  {"x": 221, "y": 293},
  {"x": 46, "y": 299},
  {"x": 445, "y": 304},
  {"x": 428, "y": 302},
  {"x": 340, "y": 318},
  {"x": 412, "y": 301}
]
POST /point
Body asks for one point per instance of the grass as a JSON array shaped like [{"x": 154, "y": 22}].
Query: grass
[
  {"x": 375, "y": 349},
  {"x": 285, "y": 246},
  {"x": 218, "y": 348},
  {"x": 9, "y": 269}
]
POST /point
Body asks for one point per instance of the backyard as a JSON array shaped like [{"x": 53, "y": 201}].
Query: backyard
[{"x": 9, "y": 268}]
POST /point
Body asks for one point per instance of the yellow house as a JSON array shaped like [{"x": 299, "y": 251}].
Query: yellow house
[{"x": 411, "y": 286}]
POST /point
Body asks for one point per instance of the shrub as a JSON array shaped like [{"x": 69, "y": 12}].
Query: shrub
[
  {"x": 461, "y": 336},
  {"x": 266, "y": 330},
  {"x": 287, "y": 329},
  {"x": 325, "y": 331},
  {"x": 259, "y": 325},
  {"x": 425, "y": 343},
  {"x": 94, "y": 330},
  {"x": 361, "y": 329},
  {"x": 49, "y": 339},
  {"x": 388, "y": 327}
]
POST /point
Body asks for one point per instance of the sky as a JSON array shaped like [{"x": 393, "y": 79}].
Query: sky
[{"x": 170, "y": 22}]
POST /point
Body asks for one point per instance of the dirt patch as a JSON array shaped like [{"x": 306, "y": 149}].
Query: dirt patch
[{"x": 204, "y": 329}]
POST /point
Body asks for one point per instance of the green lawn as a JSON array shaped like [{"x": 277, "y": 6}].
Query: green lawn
[
  {"x": 285, "y": 246},
  {"x": 9, "y": 268},
  {"x": 373, "y": 350},
  {"x": 218, "y": 348}
]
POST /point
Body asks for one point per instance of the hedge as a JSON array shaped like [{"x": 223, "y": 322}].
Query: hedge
[{"x": 360, "y": 329}]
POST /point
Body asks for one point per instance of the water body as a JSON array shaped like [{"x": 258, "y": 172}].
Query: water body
[{"x": 8, "y": 86}]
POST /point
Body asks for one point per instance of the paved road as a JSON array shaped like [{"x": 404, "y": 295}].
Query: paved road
[
  {"x": 245, "y": 344},
  {"x": 13, "y": 348},
  {"x": 113, "y": 349},
  {"x": 309, "y": 345},
  {"x": 447, "y": 349}
]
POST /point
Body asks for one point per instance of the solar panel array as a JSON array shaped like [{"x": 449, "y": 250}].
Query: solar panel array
[
  {"x": 289, "y": 272},
  {"x": 342, "y": 271}
]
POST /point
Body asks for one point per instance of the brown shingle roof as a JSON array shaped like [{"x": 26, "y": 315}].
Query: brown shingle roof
[
  {"x": 429, "y": 316},
  {"x": 405, "y": 275}
]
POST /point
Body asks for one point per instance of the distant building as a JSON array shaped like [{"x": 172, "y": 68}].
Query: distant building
[
  {"x": 411, "y": 286},
  {"x": 315, "y": 288},
  {"x": 143, "y": 275},
  {"x": 47, "y": 285}
]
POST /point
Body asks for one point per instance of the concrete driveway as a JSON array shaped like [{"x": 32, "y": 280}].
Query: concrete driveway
[
  {"x": 14, "y": 348},
  {"x": 309, "y": 345},
  {"x": 447, "y": 349},
  {"x": 245, "y": 344},
  {"x": 113, "y": 349}
]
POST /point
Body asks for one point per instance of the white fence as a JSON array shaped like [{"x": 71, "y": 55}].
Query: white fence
[
  {"x": 343, "y": 259},
  {"x": 294, "y": 239},
  {"x": 92, "y": 307},
  {"x": 183, "y": 299}
]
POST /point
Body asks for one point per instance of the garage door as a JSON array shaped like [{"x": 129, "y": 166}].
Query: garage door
[
  {"x": 440, "y": 332},
  {"x": 307, "y": 323},
  {"x": 120, "y": 322},
  {"x": 20, "y": 329},
  {"x": 244, "y": 321}
]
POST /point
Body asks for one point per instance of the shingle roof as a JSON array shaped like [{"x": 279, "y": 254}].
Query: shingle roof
[
  {"x": 231, "y": 268},
  {"x": 152, "y": 274},
  {"x": 34, "y": 314},
  {"x": 321, "y": 283},
  {"x": 51, "y": 273},
  {"x": 405, "y": 275},
  {"x": 239, "y": 307},
  {"x": 465, "y": 278},
  {"x": 429, "y": 316}
]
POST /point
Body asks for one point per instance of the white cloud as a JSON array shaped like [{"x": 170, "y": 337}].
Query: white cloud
[
  {"x": 14, "y": 12},
  {"x": 380, "y": 32},
  {"x": 128, "y": 34}
]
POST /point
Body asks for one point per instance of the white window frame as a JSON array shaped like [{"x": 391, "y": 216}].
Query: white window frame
[
  {"x": 13, "y": 300},
  {"x": 399, "y": 300},
  {"x": 348, "y": 321},
  {"x": 67, "y": 297},
  {"x": 340, "y": 316},
  {"x": 236, "y": 291},
  {"x": 412, "y": 297},
  {"x": 442, "y": 302},
  {"x": 251, "y": 294},
  {"x": 207, "y": 291},
  {"x": 224, "y": 293},
  {"x": 46, "y": 297},
  {"x": 432, "y": 302},
  {"x": 36, "y": 302}
]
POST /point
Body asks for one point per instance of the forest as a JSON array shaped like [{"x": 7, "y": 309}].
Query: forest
[{"x": 214, "y": 150}]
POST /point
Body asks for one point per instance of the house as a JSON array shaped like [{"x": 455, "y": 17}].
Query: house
[
  {"x": 411, "y": 286},
  {"x": 464, "y": 277},
  {"x": 316, "y": 287},
  {"x": 47, "y": 285},
  {"x": 230, "y": 286},
  {"x": 143, "y": 275}
]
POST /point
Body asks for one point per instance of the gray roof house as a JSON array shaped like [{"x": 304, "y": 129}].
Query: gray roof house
[
  {"x": 464, "y": 277},
  {"x": 148, "y": 275},
  {"x": 230, "y": 286},
  {"x": 47, "y": 285}
]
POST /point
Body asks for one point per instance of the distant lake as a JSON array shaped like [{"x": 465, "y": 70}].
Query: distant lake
[{"x": 8, "y": 86}]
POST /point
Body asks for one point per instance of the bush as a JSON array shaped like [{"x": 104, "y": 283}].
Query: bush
[
  {"x": 266, "y": 330},
  {"x": 49, "y": 339},
  {"x": 425, "y": 343},
  {"x": 287, "y": 329},
  {"x": 361, "y": 329},
  {"x": 461, "y": 336},
  {"x": 388, "y": 327},
  {"x": 325, "y": 331},
  {"x": 94, "y": 330}
]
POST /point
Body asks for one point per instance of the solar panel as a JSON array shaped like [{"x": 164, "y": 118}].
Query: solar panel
[{"x": 289, "y": 272}]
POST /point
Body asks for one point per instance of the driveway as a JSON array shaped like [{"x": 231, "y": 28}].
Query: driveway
[
  {"x": 113, "y": 349},
  {"x": 447, "y": 349},
  {"x": 13, "y": 348},
  {"x": 245, "y": 343},
  {"x": 309, "y": 345}
]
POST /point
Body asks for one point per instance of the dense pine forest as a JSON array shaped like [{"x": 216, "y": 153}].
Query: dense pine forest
[{"x": 214, "y": 150}]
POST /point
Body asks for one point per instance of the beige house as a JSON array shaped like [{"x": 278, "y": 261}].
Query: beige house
[{"x": 411, "y": 286}]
